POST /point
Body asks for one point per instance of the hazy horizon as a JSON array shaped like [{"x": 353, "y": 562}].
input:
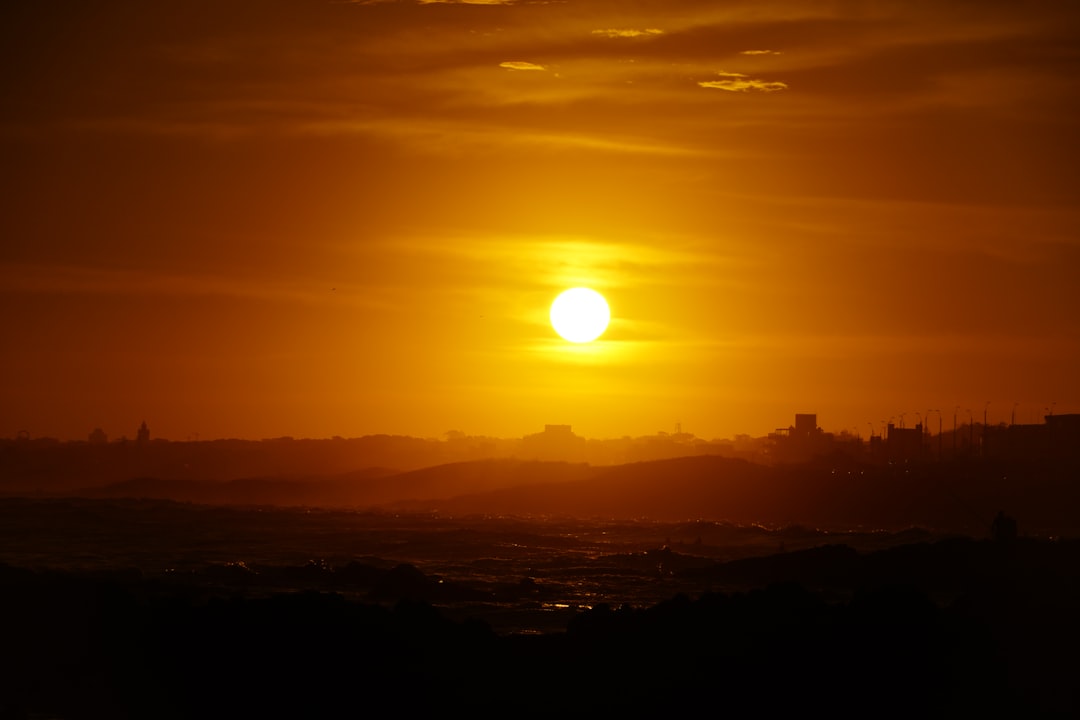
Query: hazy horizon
[{"x": 879, "y": 428}]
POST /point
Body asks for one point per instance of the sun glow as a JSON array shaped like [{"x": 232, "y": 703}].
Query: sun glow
[{"x": 580, "y": 315}]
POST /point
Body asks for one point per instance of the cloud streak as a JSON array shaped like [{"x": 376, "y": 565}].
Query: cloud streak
[
  {"x": 520, "y": 65},
  {"x": 466, "y": 2},
  {"x": 628, "y": 33},
  {"x": 738, "y": 82}
]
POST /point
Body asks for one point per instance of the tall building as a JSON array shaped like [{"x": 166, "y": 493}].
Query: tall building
[
  {"x": 805, "y": 425},
  {"x": 557, "y": 442},
  {"x": 905, "y": 444},
  {"x": 802, "y": 441},
  {"x": 143, "y": 435}
]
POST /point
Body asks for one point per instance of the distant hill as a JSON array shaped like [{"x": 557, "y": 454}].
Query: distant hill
[
  {"x": 663, "y": 489},
  {"x": 827, "y": 494},
  {"x": 468, "y": 478},
  {"x": 372, "y": 487},
  {"x": 44, "y": 466},
  {"x": 277, "y": 490},
  {"x": 963, "y": 497}
]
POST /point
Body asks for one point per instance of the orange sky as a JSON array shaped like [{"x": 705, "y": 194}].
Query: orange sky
[{"x": 255, "y": 218}]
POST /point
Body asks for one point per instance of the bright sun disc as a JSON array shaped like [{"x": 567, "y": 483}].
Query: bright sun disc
[{"x": 580, "y": 315}]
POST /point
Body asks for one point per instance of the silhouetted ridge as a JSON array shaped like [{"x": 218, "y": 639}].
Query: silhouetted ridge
[
  {"x": 368, "y": 488},
  {"x": 827, "y": 493},
  {"x": 959, "y": 497},
  {"x": 473, "y": 477},
  {"x": 661, "y": 489}
]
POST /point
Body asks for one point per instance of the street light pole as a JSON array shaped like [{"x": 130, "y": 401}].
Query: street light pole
[
  {"x": 926, "y": 421},
  {"x": 955, "y": 410},
  {"x": 971, "y": 432},
  {"x": 939, "y": 449},
  {"x": 919, "y": 425}
]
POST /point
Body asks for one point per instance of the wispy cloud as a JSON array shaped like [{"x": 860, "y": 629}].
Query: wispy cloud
[
  {"x": 738, "y": 82},
  {"x": 428, "y": 2},
  {"x": 760, "y": 52},
  {"x": 466, "y": 2},
  {"x": 628, "y": 33},
  {"x": 519, "y": 65}
]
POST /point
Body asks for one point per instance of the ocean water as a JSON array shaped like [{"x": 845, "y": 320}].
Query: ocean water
[{"x": 519, "y": 574}]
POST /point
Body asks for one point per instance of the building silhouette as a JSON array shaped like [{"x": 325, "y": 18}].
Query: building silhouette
[
  {"x": 557, "y": 442},
  {"x": 802, "y": 441},
  {"x": 805, "y": 427},
  {"x": 1058, "y": 439},
  {"x": 143, "y": 435},
  {"x": 904, "y": 444}
]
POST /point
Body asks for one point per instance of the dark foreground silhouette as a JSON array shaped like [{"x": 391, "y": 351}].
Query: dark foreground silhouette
[{"x": 956, "y": 628}]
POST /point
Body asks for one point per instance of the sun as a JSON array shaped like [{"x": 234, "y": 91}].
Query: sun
[{"x": 580, "y": 315}]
